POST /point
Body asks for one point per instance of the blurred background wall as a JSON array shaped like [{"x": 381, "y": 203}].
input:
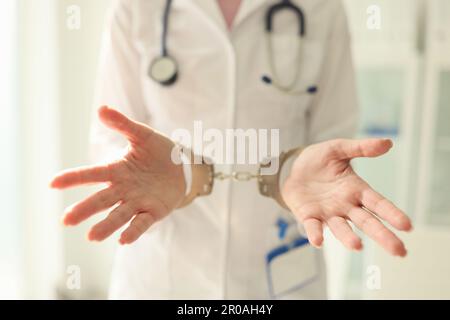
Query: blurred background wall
[
  {"x": 79, "y": 54},
  {"x": 46, "y": 128},
  {"x": 48, "y": 65}
]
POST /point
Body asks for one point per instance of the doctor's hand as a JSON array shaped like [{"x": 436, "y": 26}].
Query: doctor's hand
[
  {"x": 323, "y": 190},
  {"x": 143, "y": 187}
]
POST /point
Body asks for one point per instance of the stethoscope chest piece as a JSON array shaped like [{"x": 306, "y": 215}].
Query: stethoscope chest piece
[{"x": 164, "y": 70}]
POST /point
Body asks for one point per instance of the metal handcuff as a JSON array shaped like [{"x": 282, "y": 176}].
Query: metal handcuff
[{"x": 203, "y": 176}]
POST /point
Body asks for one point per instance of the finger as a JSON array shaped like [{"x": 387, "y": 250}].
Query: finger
[
  {"x": 140, "y": 224},
  {"x": 344, "y": 233},
  {"x": 377, "y": 231},
  {"x": 370, "y": 148},
  {"x": 386, "y": 210},
  {"x": 115, "y": 220},
  {"x": 314, "y": 231},
  {"x": 81, "y": 176},
  {"x": 132, "y": 130},
  {"x": 99, "y": 201}
]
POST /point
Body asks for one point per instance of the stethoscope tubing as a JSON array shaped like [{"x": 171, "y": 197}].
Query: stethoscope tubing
[
  {"x": 164, "y": 36},
  {"x": 269, "y": 26}
]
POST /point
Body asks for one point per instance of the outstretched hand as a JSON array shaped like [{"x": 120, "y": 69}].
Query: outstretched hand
[
  {"x": 143, "y": 187},
  {"x": 323, "y": 190},
  {"x": 146, "y": 185}
]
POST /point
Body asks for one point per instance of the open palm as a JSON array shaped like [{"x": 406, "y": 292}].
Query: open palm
[
  {"x": 323, "y": 190},
  {"x": 143, "y": 187}
]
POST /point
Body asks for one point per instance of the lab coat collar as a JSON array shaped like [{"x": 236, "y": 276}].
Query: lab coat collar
[
  {"x": 212, "y": 10},
  {"x": 247, "y": 8}
]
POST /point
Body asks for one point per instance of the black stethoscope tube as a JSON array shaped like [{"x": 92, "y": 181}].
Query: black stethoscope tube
[
  {"x": 165, "y": 24},
  {"x": 164, "y": 69},
  {"x": 286, "y": 4}
]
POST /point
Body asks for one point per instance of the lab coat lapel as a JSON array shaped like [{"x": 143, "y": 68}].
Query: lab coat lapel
[
  {"x": 247, "y": 8},
  {"x": 211, "y": 9}
]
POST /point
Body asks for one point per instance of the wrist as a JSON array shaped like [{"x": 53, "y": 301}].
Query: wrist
[
  {"x": 270, "y": 185},
  {"x": 199, "y": 177}
]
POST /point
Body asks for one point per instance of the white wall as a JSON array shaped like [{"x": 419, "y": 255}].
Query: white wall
[
  {"x": 423, "y": 274},
  {"x": 78, "y": 57},
  {"x": 57, "y": 68},
  {"x": 9, "y": 228},
  {"x": 37, "y": 141}
]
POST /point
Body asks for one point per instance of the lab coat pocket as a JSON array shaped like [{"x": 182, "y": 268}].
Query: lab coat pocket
[
  {"x": 291, "y": 262},
  {"x": 291, "y": 268}
]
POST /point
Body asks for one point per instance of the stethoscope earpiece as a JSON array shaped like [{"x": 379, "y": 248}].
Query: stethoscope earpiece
[
  {"x": 266, "y": 79},
  {"x": 310, "y": 90}
]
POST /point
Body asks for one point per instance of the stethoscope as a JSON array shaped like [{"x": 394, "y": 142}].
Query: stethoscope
[{"x": 164, "y": 69}]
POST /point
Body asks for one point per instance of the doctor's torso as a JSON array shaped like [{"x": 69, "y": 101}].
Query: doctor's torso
[
  {"x": 216, "y": 247},
  {"x": 220, "y": 70}
]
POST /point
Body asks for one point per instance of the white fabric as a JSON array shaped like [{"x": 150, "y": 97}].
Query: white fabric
[
  {"x": 187, "y": 171},
  {"x": 216, "y": 248}
]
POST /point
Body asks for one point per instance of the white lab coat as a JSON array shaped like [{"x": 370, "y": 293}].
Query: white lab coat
[{"x": 216, "y": 248}]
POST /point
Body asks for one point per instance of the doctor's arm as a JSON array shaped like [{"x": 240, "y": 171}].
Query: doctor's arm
[
  {"x": 322, "y": 189},
  {"x": 118, "y": 82},
  {"x": 142, "y": 185}
]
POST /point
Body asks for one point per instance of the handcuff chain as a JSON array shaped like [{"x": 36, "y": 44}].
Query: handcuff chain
[
  {"x": 240, "y": 176},
  {"x": 268, "y": 185}
]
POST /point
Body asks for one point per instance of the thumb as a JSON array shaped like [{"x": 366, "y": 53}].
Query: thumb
[
  {"x": 132, "y": 130},
  {"x": 368, "y": 148}
]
